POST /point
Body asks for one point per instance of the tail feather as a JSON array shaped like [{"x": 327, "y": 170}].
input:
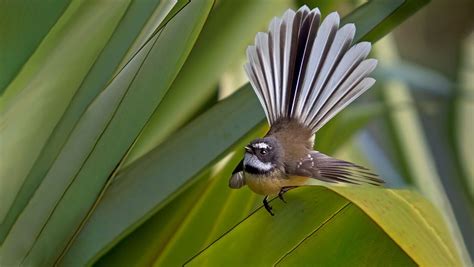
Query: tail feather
[
  {"x": 276, "y": 57},
  {"x": 322, "y": 88},
  {"x": 352, "y": 85},
  {"x": 292, "y": 22},
  {"x": 307, "y": 70},
  {"x": 361, "y": 87},
  {"x": 318, "y": 53},
  {"x": 257, "y": 79}
]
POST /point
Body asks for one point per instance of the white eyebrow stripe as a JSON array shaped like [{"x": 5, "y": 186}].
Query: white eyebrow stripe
[{"x": 261, "y": 145}]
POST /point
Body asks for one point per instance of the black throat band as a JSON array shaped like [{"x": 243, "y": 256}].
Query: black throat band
[{"x": 256, "y": 171}]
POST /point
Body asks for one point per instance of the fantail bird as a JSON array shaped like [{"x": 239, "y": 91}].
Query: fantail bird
[{"x": 303, "y": 72}]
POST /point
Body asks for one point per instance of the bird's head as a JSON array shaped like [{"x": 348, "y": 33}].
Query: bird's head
[{"x": 262, "y": 155}]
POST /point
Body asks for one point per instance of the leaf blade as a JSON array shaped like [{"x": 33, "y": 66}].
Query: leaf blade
[
  {"x": 28, "y": 125},
  {"x": 384, "y": 211}
]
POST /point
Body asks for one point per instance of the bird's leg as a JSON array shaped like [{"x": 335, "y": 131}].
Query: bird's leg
[
  {"x": 280, "y": 195},
  {"x": 283, "y": 190},
  {"x": 267, "y": 206}
]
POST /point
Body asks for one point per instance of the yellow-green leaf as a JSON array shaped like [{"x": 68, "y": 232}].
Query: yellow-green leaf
[{"x": 338, "y": 226}]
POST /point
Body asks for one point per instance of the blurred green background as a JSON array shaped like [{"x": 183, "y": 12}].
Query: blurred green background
[{"x": 121, "y": 122}]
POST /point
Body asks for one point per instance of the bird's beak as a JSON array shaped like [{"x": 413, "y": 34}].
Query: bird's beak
[{"x": 248, "y": 149}]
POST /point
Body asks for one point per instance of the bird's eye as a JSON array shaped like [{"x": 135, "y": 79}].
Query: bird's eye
[{"x": 263, "y": 151}]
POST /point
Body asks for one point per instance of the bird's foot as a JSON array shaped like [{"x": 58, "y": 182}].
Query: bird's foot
[
  {"x": 283, "y": 190},
  {"x": 267, "y": 206},
  {"x": 280, "y": 195}
]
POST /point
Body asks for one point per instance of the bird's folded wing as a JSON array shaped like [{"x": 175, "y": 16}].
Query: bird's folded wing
[
  {"x": 237, "y": 179},
  {"x": 327, "y": 169}
]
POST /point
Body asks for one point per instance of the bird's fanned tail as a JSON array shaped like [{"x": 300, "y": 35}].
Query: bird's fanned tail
[{"x": 307, "y": 70}]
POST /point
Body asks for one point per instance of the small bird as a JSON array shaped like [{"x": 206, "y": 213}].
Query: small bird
[{"x": 303, "y": 72}]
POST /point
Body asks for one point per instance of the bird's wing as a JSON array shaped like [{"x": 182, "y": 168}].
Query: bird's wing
[
  {"x": 322, "y": 167},
  {"x": 237, "y": 179}
]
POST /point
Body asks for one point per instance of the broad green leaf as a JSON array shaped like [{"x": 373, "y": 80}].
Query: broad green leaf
[
  {"x": 163, "y": 12},
  {"x": 147, "y": 243},
  {"x": 149, "y": 85},
  {"x": 22, "y": 27},
  {"x": 36, "y": 214},
  {"x": 143, "y": 246},
  {"x": 231, "y": 27},
  {"x": 376, "y": 18},
  {"x": 354, "y": 245},
  {"x": 215, "y": 212},
  {"x": 160, "y": 181},
  {"x": 127, "y": 38},
  {"x": 43, "y": 89},
  {"x": 412, "y": 209},
  {"x": 140, "y": 90},
  {"x": 187, "y": 222},
  {"x": 322, "y": 225}
]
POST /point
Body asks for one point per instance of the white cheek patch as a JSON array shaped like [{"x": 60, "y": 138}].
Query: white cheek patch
[
  {"x": 251, "y": 160},
  {"x": 261, "y": 145}
]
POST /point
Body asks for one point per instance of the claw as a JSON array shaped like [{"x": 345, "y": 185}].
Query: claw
[
  {"x": 283, "y": 190},
  {"x": 267, "y": 206},
  {"x": 280, "y": 195}
]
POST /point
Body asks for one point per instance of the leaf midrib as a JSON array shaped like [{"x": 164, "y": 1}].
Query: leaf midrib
[{"x": 328, "y": 219}]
